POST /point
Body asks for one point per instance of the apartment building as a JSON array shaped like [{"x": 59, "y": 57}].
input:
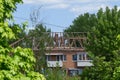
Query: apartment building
[
  {"x": 68, "y": 52},
  {"x": 64, "y": 50}
]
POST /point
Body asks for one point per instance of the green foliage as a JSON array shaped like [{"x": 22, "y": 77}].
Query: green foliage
[
  {"x": 7, "y": 7},
  {"x": 82, "y": 23},
  {"x": 19, "y": 30},
  {"x": 104, "y": 43},
  {"x": 36, "y": 37},
  {"x": 58, "y": 73},
  {"x": 18, "y": 64},
  {"x": 116, "y": 74},
  {"x": 104, "y": 38},
  {"x": 35, "y": 76},
  {"x": 74, "y": 78},
  {"x": 101, "y": 70},
  {"x": 55, "y": 74},
  {"x": 40, "y": 35},
  {"x": 15, "y": 63}
]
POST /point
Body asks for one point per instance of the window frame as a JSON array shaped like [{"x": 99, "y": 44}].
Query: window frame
[{"x": 84, "y": 57}]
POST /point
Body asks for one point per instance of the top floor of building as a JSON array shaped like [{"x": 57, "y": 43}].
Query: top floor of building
[
  {"x": 54, "y": 41},
  {"x": 61, "y": 40}
]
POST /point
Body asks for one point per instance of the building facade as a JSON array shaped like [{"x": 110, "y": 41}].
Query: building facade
[
  {"x": 64, "y": 50},
  {"x": 68, "y": 52}
]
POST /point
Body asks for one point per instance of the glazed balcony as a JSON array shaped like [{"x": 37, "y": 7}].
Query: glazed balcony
[{"x": 83, "y": 63}]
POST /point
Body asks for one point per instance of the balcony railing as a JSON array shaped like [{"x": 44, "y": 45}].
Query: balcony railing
[
  {"x": 54, "y": 63},
  {"x": 83, "y": 63}
]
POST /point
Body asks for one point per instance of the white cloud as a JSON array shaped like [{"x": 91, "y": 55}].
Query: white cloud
[
  {"x": 41, "y": 1},
  {"x": 118, "y": 7},
  {"x": 28, "y": 1},
  {"x": 87, "y": 8},
  {"x": 93, "y": 7},
  {"x": 63, "y": 6},
  {"x": 75, "y": 6}
]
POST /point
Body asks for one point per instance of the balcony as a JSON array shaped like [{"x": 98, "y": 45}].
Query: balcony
[
  {"x": 54, "y": 63},
  {"x": 83, "y": 63}
]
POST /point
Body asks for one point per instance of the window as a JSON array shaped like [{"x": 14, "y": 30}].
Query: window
[
  {"x": 48, "y": 58},
  {"x": 64, "y": 58},
  {"x": 80, "y": 71},
  {"x": 83, "y": 56},
  {"x": 58, "y": 58},
  {"x": 75, "y": 72},
  {"x": 80, "y": 57},
  {"x": 74, "y": 57},
  {"x": 61, "y": 57}
]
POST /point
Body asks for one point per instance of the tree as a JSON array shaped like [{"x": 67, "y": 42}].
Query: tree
[
  {"x": 15, "y": 63},
  {"x": 104, "y": 44},
  {"x": 19, "y": 30},
  {"x": 83, "y": 23},
  {"x": 40, "y": 37}
]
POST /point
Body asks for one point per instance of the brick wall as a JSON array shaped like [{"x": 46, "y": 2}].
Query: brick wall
[{"x": 69, "y": 63}]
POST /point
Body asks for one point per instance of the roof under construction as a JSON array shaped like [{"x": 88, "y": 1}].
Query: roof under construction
[{"x": 55, "y": 41}]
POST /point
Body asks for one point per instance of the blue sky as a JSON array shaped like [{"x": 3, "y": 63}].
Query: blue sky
[{"x": 59, "y": 14}]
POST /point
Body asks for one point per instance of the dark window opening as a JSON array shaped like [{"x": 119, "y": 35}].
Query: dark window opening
[{"x": 74, "y": 57}]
